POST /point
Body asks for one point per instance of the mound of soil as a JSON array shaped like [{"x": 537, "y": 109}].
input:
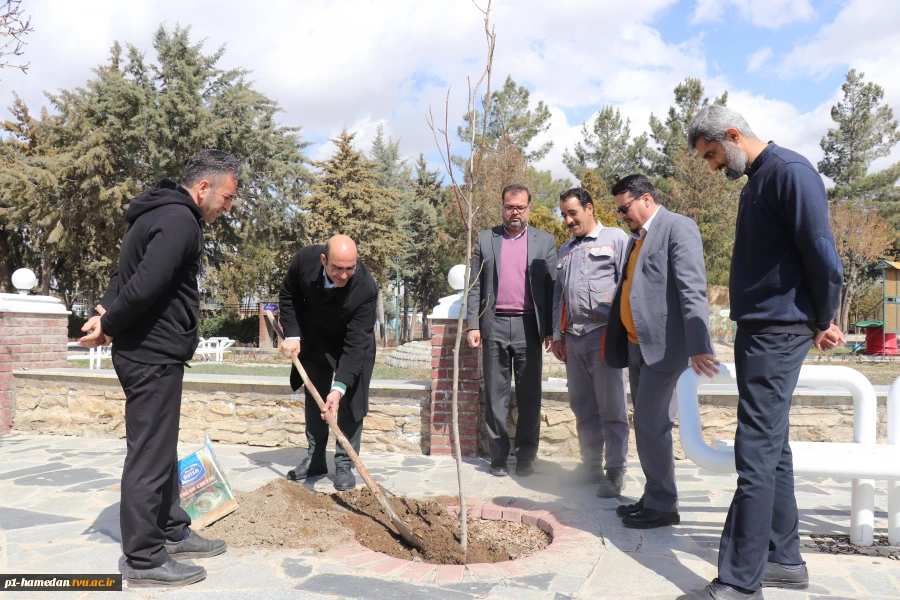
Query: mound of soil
[{"x": 282, "y": 515}]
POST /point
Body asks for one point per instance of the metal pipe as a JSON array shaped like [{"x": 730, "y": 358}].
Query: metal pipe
[
  {"x": 893, "y": 439},
  {"x": 862, "y": 517}
]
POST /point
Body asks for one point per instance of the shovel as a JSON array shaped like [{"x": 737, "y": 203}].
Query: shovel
[{"x": 405, "y": 532}]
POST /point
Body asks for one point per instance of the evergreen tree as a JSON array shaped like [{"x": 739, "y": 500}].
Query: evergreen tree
[
  {"x": 604, "y": 203},
  {"x": 607, "y": 148},
  {"x": 711, "y": 201},
  {"x": 866, "y": 130},
  {"x": 511, "y": 117},
  {"x": 671, "y": 136},
  {"x": 134, "y": 123},
  {"x": 545, "y": 190},
  {"x": 348, "y": 199}
]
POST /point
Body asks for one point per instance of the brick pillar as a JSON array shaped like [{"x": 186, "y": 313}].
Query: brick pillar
[
  {"x": 34, "y": 340},
  {"x": 267, "y": 337},
  {"x": 443, "y": 339}
]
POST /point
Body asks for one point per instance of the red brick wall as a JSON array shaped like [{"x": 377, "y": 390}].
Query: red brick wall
[
  {"x": 32, "y": 341},
  {"x": 443, "y": 339},
  {"x": 266, "y": 335}
]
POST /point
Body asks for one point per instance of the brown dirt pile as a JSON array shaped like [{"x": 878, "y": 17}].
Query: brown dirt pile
[{"x": 283, "y": 515}]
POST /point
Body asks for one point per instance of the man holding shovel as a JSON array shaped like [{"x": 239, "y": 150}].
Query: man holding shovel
[
  {"x": 327, "y": 306},
  {"x": 151, "y": 307}
]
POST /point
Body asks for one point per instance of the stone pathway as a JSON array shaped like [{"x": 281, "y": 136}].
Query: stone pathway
[{"x": 59, "y": 514}]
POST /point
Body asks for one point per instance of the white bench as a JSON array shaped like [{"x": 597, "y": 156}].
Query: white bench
[
  {"x": 214, "y": 347},
  {"x": 863, "y": 460}
]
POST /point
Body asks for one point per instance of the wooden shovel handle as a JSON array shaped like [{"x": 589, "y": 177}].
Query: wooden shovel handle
[{"x": 354, "y": 457}]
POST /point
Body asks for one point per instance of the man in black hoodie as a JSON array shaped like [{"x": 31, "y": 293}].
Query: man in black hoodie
[{"x": 151, "y": 309}]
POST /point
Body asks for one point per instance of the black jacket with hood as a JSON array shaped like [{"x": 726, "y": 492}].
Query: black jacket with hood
[{"x": 153, "y": 300}]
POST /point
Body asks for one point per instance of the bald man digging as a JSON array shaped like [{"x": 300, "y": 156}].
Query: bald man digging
[{"x": 327, "y": 306}]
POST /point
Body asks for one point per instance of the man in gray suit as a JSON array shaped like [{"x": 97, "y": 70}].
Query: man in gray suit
[
  {"x": 509, "y": 314},
  {"x": 658, "y": 325}
]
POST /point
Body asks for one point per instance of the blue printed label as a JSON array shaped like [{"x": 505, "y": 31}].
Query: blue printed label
[{"x": 190, "y": 470}]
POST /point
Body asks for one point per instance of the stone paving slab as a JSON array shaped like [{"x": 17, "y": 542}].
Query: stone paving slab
[{"x": 59, "y": 514}]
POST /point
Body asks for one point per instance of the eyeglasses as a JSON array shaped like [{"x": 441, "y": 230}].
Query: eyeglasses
[
  {"x": 622, "y": 210},
  {"x": 515, "y": 209},
  {"x": 340, "y": 270}
]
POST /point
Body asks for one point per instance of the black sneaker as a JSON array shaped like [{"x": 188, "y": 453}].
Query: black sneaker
[
  {"x": 499, "y": 468},
  {"x": 304, "y": 470},
  {"x": 716, "y": 590},
  {"x": 623, "y": 510},
  {"x": 194, "y": 546},
  {"x": 344, "y": 479},
  {"x": 648, "y": 518},
  {"x": 170, "y": 574},
  {"x": 777, "y": 576}
]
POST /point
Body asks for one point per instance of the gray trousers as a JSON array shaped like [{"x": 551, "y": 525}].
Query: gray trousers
[
  {"x": 513, "y": 346},
  {"x": 597, "y": 397},
  {"x": 652, "y": 393}
]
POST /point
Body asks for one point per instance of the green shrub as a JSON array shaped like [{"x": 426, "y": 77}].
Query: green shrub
[
  {"x": 76, "y": 322},
  {"x": 229, "y": 324}
]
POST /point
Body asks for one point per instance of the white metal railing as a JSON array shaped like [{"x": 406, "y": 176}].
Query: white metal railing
[
  {"x": 96, "y": 356},
  {"x": 863, "y": 461}
]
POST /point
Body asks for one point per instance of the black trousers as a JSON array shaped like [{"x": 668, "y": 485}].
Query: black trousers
[
  {"x": 150, "y": 511},
  {"x": 513, "y": 346},
  {"x": 762, "y": 520},
  {"x": 321, "y": 375}
]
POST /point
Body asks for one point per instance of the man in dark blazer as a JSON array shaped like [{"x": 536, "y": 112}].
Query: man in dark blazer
[
  {"x": 509, "y": 313},
  {"x": 658, "y": 326},
  {"x": 327, "y": 306}
]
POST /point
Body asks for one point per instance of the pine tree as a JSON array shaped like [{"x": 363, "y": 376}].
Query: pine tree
[
  {"x": 607, "y": 148},
  {"x": 711, "y": 201},
  {"x": 671, "y": 136},
  {"x": 348, "y": 199},
  {"x": 510, "y": 116},
  {"x": 866, "y": 130}
]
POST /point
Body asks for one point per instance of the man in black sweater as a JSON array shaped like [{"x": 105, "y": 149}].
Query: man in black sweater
[
  {"x": 327, "y": 306},
  {"x": 151, "y": 309},
  {"x": 785, "y": 284}
]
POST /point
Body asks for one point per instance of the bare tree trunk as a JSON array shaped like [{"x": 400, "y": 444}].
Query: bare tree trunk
[
  {"x": 405, "y": 335},
  {"x": 465, "y": 202},
  {"x": 5, "y": 267},
  {"x": 379, "y": 310},
  {"x": 46, "y": 265}
]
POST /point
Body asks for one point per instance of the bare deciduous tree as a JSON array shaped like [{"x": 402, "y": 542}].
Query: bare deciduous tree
[
  {"x": 14, "y": 24},
  {"x": 465, "y": 198}
]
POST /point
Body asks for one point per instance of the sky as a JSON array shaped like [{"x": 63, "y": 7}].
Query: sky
[{"x": 332, "y": 64}]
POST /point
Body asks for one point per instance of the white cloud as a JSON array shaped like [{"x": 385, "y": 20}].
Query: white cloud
[
  {"x": 360, "y": 62},
  {"x": 759, "y": 58},
  {"x": 864, "y": 31},
  {"x": 770, "y": 14}
]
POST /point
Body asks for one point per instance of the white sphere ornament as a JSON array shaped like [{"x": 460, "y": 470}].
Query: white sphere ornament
[
  {"x": 457, "y": 277},
  {"x": 24, "y": 280}
]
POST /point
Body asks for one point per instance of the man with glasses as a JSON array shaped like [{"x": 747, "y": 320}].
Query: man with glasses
[
  {"x": 327, "y": 306},
  {"x": 658, "y": 326},
  {"x": 509, "y": 315}
]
